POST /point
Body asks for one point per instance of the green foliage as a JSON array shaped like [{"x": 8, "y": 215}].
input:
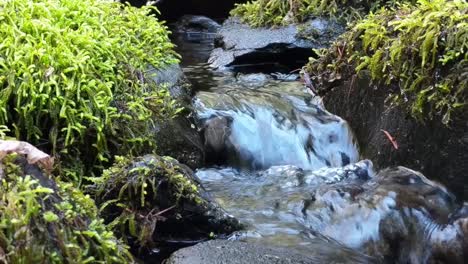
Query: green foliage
[
  {"x": 134, "y": 193},
  {"x": 44, "y": 222},
  {"x": 72, "y": 76},
  {"x": 422, "y": 49},
  {"x": 283, "y": 12}
]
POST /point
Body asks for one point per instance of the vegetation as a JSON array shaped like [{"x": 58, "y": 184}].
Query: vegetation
[
  {"x": 135, "y": 194},
  {"x": 260, "y": 13},
  {"x": 45, "y": 222},
  {"x": 421, "y": 49},
  {"x": 72, "y": 77}
]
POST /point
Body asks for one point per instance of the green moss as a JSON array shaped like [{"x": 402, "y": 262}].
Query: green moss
[
  {"x": 283, "y": 12},
  {"x": 45, "y": 222},
  {"x": 420, "y": 49},
  {"x": 134, "y": 192},
  {"x": 72, "y": 77}
]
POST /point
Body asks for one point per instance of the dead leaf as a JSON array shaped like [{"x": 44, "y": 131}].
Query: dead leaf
[
  {"x": 390, "y": 138},
  {"x": 33, "y": 155}
]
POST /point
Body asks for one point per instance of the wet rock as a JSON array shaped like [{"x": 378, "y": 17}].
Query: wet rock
[
  {"x": 438, "y": 151},
  {"x": 239, "y": 44},
  {"x": 173, "y": 77},
  {"x": 178, "y": 137},
  {"x": 392, "y": 216},
  {"x": 253, "y": 79},
  {"x": 157, "y": 202},
  {"x": 216, "y": 133},
  {"x": 234, "y": 252},
  {"x": 292, "y": 176},
  {"x": 196, "y": 24}
]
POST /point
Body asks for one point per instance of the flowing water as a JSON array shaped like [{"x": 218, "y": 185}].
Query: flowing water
[{"x": 274, "y": 147}]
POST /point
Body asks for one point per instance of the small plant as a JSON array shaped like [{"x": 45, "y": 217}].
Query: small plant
[
  {"x": 72, "y": 77},
  {"x": 421, "y": 49}
]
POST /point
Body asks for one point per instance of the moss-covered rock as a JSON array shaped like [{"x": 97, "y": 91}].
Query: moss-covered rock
[
  {"x": 421, "y": 49},
  {"x": 48, "y": 221},
  {"x": 72, "y": 77},
  {"x": 260, "y": 13},
  {"x": 404, "y": 71},
  {"x": 151, "y": 200}
]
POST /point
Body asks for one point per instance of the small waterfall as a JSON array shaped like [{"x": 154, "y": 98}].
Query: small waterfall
[{"x": 278, "y": 124}]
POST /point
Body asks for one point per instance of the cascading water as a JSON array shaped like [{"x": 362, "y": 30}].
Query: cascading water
[
  {"x": 290, "y": 170},
  {"x": 278, "y": 124}
]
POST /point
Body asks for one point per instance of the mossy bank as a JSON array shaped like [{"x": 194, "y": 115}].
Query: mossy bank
[
  {"x": 72, "y": 78},
  {"x": 259, "y": 13},
  {"x": 403, "y": 70},
  {"x": 45, "y": 220}
]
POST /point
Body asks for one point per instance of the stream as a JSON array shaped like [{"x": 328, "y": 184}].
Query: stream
[{"x": 274, "y": 149}]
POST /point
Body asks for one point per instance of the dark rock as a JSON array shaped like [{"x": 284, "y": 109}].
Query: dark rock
[
  {"x": 200, "y": 24},
  {"x": 178, "y": 137},
  {"x": 235, "y": 252},
  {"x": 240, "y": 44},
  {"x": 438, "y": 151},
  {"x": 166, "y": 201},
  {"x": 397, "y": 215},
  {"x": 216, "y": 133},
  {"x": 173, "y": 77},
  {"x": 173, "y": 9}
]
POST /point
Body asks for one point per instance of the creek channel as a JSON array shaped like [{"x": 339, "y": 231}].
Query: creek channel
[{"x": 271, "y": 146}]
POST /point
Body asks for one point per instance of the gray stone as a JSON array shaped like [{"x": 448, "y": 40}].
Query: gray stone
[
  {"x": 235, "y": 252},
  {"x": 190, "y": 23},
  {"x": 240, "y": 43}
]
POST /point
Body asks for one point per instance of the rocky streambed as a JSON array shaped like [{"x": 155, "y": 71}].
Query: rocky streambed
[{"x": 290, "y": 171}]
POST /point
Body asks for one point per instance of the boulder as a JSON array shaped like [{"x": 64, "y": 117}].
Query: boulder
[
  {"x": 156, "y": 202},
  {"x": 240, "y": 44},
  {"x": 440, "y": 152},
  {"x": 236, "y": 252},
  {"x": 397, "y": 215}
]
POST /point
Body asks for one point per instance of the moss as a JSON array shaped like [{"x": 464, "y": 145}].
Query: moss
[
  {"x": 135, "y": 193},
  {"x": 72, "y": 77},
  {"x": 283, "y": 12},
  {"x": 421, "y": 50},
  {"x": 45, "y": 222}
]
